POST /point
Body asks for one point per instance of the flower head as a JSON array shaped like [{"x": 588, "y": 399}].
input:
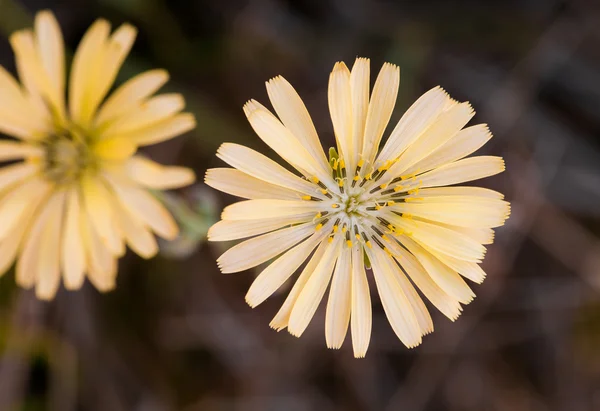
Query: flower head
[
  {"x": 76, "y": 192},
  {"x": 390, "y": 209}
]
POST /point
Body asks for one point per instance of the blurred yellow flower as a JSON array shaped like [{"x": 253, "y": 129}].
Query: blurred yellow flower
[
  {"x": 76, "y": 192},
  {"x": 389, "y": 208}
]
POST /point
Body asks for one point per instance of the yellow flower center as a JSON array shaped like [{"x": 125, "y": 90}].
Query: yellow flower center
[{"x": 68, "y": 156}]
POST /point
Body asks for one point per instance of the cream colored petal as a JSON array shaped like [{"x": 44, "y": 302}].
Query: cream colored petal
[
  {"x": 396, "y": 305},
  {"x": 445, "y": 127},
  {"x": 339, "y": 303},
  {"x": 420, "y": 310},
  {"x": 18, "y": 116},
  {"x": 417, "y": 119},
  {"x": 474, "y": 212},
  {"x": 114, "y": 149},
  {"x": 226, "y": 230},
  {"x": 467, "y": 169},
  {"x": 282, "y": 141},
  {"x": 293, "y": 114},
  {"x": 16, "y": 173},
  {"x": 51, "y": 50},
  {"x": 481, "y": 235},
  {"x": 27, "y": 263},
  {"x": 87, "y": 64},
  {"x": 156, "y": 176},
  {"x": 102, "y": 266},
  {"x": 281, "y": 319},
  {"x": 240, "y": 184},
  {"x": 97, "y": 204},
  {"x": 361, "y": 318},
  {"x": 148, "y": 209},
  {"x": 152, "y": 112},
  {"x": 48, "y": 258},
  {"x": 312, "y": 293},
  {"x": 10, "y": 247},
  {"x": 383, "y": 99},
  {"x": 73, "y": 259},
  {"x": 280, "y": 270},
  {"x": 116, "y": 50},
  {"x": 18, "y": 201},
  {"x": 359, "y": 90},
  {"x": 11, "y": 150},
  {"x": 257, "y": 250},
  {"x": 446, "y": 278},
  {"x": 447, "y": 305},
  {"x": 139, "y": 238},
  {"x": 340, "y": 109},
  {"x": 469, "y": 270},
  {"x": 257, "y": 165},
  {"x": 130, "y": 95},
  {"x": 163, "y": 130},
  {"x": 460, "y": 191},
  {"x": 464, "y": 143},
  {"x": 258, "y": 209},
  {"x": 441, "y": 239}
]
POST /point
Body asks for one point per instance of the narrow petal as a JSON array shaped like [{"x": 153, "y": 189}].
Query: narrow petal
[
  {"x": 87, "y": 62},
  {"x": 156, "y": 176},
  {"x": 18, "y": 201},
  {"x": 11, "y": 150},
  {"x": 136, "y": 234},
  {"x": 361, "y": 318},
  {"x": 441, "y": 239},
  {"x": 337, "y": 316},
  {"x": 467, "y": 169},
  {"x": 417, "y": 119},
  {"x": 383, "y": 100},
  {"x": 463, "y": 191},
  {"x": 100, "y": 211},
  {"x": 162, "y": 130},
  {"x": 258, "y": 209},
  {"x": 474, "y": 212},
  {"x": 226, "y": 230},
  {"x": 255, "y": 164},
  {"x": 446, "y": 278},
  {"x": 278, "y": 272},
  {"x": 282, "y": 141},
  {"x": 151, "y": 112},
  {"x": 340, "y": 108},
  {"x": 102, "y": 266},
  {"x": 293, "y": 114},
  {"x": 281, "y": 319},
  {"x": 149, "y": 210},
  {"x": 464, "y": 143},
  {"x": 129, "y": 95},
  {"x": 396, "y": 305},
  {"x": 447, "y": 305},
  {"x": 17, "y": 173},
  {"x": 116, "y": 50},
  {"x": 255, "y": 251},
  {"x": 73, "y": 259},
  {"x": 446, "y": 126},
  {"x": 48, "y": 258},
  {"x": 51, "y": 49},
  {"x": 240, "y": 184},
  {"x": 311, "y": 295},
  {"x": 359, "y": 90}
]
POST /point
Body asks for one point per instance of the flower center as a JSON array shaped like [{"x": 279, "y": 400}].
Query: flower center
[{"x": 68, "y": 156}]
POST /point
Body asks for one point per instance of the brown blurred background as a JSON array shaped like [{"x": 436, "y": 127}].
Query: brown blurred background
[{"x": 177, "y": 335}]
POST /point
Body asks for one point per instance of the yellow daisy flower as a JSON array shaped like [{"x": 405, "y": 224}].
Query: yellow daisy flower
[
  {"x": 76, "y": 192},
  {"x": 390, "y": 209}
]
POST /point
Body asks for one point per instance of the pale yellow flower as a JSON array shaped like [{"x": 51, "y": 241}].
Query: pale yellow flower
[
  {"x": 76, "y": 192},
  {"x": 388, "y": 208}
]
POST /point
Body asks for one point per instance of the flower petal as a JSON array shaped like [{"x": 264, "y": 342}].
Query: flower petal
[
  {"x": 73, "y": 259},
  {"x": 156, "y": 176},
  {"x": 340, "y": 109},
  {"x": 240, "y": 184},
  {"x": 359, "y": 90},
  {"x": 227, "y": 230},
  {"x": 257, "y": 250},
  {"x": 337, "y": 316},
  {"x": 361, "y": 318}
]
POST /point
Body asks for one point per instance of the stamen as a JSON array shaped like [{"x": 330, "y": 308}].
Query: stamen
[
  {"x": 348, "y": 240},
  {"x": 311, "y": 198},
  {"x": 335, "y": 225}
]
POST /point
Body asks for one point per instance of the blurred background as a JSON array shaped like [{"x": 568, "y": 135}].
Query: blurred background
[{"x": 177, "y": 335}]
